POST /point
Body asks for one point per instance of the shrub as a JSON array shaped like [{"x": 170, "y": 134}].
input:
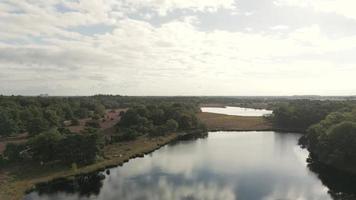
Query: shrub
[
  {"x": 92, "y": 123},
  {"x": 13, "y": 152},
  {"x": 75, "y": 122}
]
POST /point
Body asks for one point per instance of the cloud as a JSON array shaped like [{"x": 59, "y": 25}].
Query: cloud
[
  {"x": 280, "y": 27},
  {"x": 340, "y": 7},
  {"x": 99, "y": 47}
]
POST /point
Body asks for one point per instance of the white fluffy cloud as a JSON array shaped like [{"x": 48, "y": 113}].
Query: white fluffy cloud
[{"x": 59, "y": 47}]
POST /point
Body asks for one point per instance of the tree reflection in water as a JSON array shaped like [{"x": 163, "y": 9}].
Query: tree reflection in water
[
  {"x": 342, "y": 186},
  {"x": 85, "y": 185}
]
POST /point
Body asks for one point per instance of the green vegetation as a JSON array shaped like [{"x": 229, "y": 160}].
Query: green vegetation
[
  {"x": 50, "y": 150},
  {"x": 330, "y": 128},
  {"x": 299, "y": 115},
  {"x": 333, "y": 141},
  {"x": 158, "y": 120},
  {"x": 53, "y": 146},
  {"x": 35, "y": 114}
]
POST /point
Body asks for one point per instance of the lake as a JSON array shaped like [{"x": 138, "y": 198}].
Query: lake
[
  {"x": 224, "y": 165},
  {"x": 229, "y": 110}
]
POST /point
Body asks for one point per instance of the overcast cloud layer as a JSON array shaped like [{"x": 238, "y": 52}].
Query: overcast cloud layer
[{"x": 178, "y": 47}]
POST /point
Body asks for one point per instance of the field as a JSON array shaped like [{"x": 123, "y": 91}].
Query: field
[{"x": 220, "y": 122}]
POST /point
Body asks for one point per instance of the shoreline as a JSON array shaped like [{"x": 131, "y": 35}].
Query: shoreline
[{"x": 15, "y": 185}]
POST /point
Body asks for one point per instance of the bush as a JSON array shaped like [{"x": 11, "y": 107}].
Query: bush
[
  {"x": 2, "y": 160},
  {"x": 125, "y": 135},
  {"x": 44, "y": 145},
  {"x": 75, "y": 122},
  {"x": 80, "y": 149},
  {"x": 92, "y": 123},
  {"x": 8, "y": 126},
  {"x": 13, "y": 152}
]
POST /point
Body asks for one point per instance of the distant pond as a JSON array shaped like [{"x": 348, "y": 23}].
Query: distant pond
[
  {"x": 238, "y": 111},
  {"x": 223, "y": 166}
]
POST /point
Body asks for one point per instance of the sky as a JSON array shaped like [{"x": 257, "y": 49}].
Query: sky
[{"x": 178, "y": 47}]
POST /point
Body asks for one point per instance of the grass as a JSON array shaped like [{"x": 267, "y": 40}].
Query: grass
[
  {"x": 221, "y": 122},
  {"x": 15, "y": 180}
]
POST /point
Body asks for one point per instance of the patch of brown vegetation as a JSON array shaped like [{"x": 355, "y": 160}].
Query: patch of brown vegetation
[
  {"x": 111, "y": 118},
  {"x": 217, "y": 122}
]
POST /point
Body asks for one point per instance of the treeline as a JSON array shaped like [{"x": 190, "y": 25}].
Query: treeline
[
  {"x": 157, "y": 120},
  {"x": 333, "y": 141},
  {"x": 50, "y": 142},
  {"x": 299, "y": 115},
  {"x": 57, "y": 147},
  {"x": 35, "y": 114},
  {"x": 329, "y": 127}
]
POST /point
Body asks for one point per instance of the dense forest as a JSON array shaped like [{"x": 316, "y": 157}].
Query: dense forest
[
  {"x": 329, "y": 127},
  {"x": 49, "y": 141},
  {"x": 333, "y": 140},
  {"x": 299, "y": 115},
  {"x": 35, "y": 114},
  {"x": 158, "y": 120}
]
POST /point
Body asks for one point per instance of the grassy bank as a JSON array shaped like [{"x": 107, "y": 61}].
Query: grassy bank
[
  {"x": 221, "y": 122},
  {"x": 15, "y": 180}
]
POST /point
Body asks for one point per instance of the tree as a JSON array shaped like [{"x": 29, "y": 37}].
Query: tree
[
  {"x": 338, "y": 146},
  {"x": 7, "y": 125},
  {"x": 80, "y": 149},
  {"x": 92, "y": 124},
  {"x": 99, "y": 110},
  {"x": 171, "y": 125},
  {"x": 75, "y": 122},
  {"x": 51, "y": 117},
  {"x": 12, "y": 152},
  {"x": 44, "y": 145},
  {"x": 185, "y": 122},
  {"x": 37, "y": 125}
]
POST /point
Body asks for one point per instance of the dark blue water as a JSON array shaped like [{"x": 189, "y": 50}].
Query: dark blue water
[{"x": 223, "y": 166}]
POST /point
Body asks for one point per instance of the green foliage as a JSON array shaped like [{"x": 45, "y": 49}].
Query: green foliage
[
  {"x": 34, "y": 114},
  {"x": 44, "y": 146},
  {"x": 99, "y": 110},
  {"x": 75, "y": 122},
  {"x": 2, "y": 160},
  {"x": 8, "y": 125},
  {"x": 52, "y": 117},
  {"x": 300, "y": 115},
  {"x": 92, "y": 124},
  {"x": 157, "y": 120},
  {"x": 333, "y": 140},
  {"x": 171, "y": 125},
  {"x": 54, "y": 146},
  {"x": 37, "y": 125},
  {"x": 80, "y": 149},
  {"x": 13, "y": 152},
  {"x": 125, "y": 135}
]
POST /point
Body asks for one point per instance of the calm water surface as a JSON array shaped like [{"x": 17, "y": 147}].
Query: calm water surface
[
  {"x": 228, "y": 110},
  {"x": 223, "y": 166}
]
